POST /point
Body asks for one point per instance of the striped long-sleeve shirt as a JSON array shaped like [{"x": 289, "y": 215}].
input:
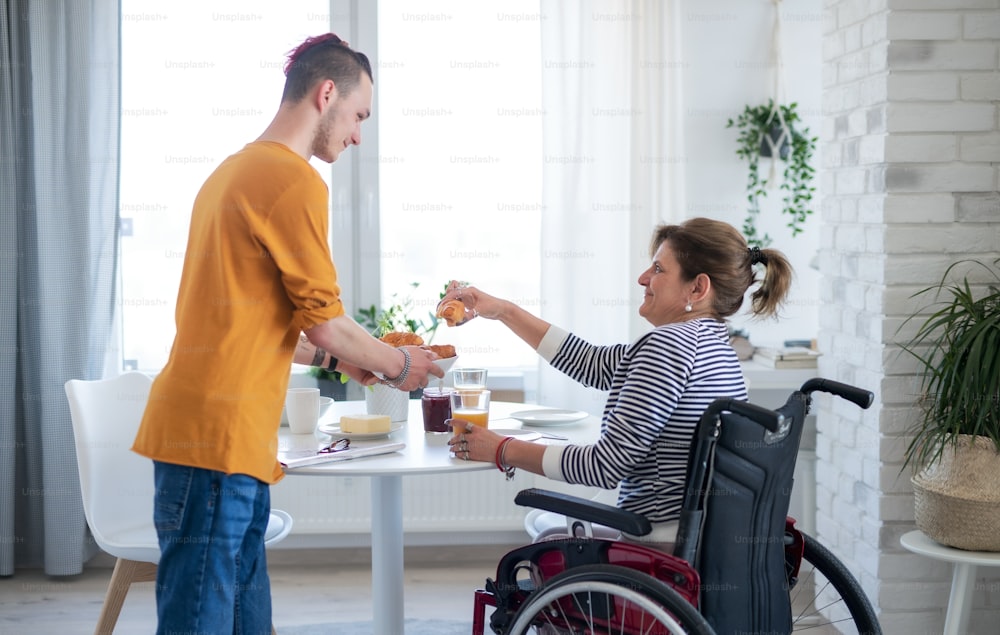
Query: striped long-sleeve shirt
[{"x": 659, "y": 387}]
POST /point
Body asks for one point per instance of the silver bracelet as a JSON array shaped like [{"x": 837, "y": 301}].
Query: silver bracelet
[
  {"x": 508, "y": 470},
  {"x": 399, "y": 379}
]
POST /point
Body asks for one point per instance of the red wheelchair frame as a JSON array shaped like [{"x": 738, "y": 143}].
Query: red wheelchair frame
[
  {"x": 550, "y": 560},
  {"x": 529, "y": 568}
]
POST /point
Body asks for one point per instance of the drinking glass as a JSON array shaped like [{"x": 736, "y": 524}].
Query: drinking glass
[
  {"x": 470, "y": 379},
  {"x": 472, "y": 406}
]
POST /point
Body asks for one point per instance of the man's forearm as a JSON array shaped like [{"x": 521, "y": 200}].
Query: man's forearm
[
  {"x": 309, "y": 354},
  {"x": 345, "y": 339}
]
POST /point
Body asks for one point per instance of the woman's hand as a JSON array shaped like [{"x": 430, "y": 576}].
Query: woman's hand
[
  {"x": 472, "y": 442},
  {"x": 527, "y": 326},
  {"x": 476, "y": 302}
]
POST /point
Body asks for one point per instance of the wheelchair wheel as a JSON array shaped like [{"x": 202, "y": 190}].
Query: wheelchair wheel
[
  {"x": 602, "y": 599},
  {"x": 826, "y": 596}
]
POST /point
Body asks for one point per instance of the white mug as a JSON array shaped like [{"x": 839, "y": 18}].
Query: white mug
[{"x": 302, "y": 406}]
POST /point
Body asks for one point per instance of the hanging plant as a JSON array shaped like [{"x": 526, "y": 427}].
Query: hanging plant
[{"x": 763, "y": 130}]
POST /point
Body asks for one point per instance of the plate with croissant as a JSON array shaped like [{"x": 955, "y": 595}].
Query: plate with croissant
[
  {"x": 445, "y": 352},
  {"x": 445, "y": 363},
  {"x": 446, "y": 355}
]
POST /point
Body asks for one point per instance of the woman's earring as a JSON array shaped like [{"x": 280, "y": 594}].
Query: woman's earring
[{"x": 687, "y": 307}]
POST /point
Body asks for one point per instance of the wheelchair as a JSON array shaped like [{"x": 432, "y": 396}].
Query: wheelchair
[{"x": 739, "y": 564}]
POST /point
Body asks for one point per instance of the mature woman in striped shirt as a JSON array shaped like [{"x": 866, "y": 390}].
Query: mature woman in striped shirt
[{"x": 659, "y": 384}]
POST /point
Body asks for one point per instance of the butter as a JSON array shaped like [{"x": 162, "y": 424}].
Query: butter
[{"x": 364, "y": 424}]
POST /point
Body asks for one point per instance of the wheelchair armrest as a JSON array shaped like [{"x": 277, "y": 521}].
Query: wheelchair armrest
[{"x": 584, "y": 509}]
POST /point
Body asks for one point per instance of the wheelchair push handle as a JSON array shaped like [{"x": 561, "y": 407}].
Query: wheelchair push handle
[
  {"x": 767, "y": 418},
  {"x": 855, "y": 395}
]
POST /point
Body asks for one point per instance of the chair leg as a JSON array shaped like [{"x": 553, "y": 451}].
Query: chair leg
[{"x": 126, "y": 572}]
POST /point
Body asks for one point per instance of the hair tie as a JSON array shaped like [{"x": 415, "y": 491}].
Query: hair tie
[{"x": 756, "y": 256}]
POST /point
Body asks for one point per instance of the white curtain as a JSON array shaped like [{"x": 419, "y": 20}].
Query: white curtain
[
  {"x": 613, "y": 167},
  {"x": 59, "y": 111}
]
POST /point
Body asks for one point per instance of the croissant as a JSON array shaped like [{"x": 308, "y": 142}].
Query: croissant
[
  {"x": 397, "y": 339},
  {"x": 444, "y": 351},
  {"x": 452, "y": 312}
]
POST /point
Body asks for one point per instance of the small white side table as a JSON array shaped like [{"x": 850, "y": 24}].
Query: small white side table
[{"x": 963, "y": 579}]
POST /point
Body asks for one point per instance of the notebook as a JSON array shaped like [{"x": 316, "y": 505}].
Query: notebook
[{"x": 291, "y": 459}]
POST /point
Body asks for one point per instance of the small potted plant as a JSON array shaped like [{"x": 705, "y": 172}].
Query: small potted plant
[
  {"x": 955, "y": 450},
  {"x": 763, "y": 130},
  {"x": 401, "y": 316},
  {"x": 331, "y": 383}
]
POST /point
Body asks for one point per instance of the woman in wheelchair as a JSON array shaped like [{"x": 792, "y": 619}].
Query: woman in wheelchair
[{"x": 659, "y": 385}]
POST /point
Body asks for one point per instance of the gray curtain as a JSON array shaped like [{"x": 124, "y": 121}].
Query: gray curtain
[{"x": 59, "y": 128}]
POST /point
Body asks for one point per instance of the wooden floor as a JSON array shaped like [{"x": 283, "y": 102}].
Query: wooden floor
[{"x": 307, "y": 587}]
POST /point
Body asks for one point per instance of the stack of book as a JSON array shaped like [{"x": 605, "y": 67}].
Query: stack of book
[{"x": 786, "y": 357}]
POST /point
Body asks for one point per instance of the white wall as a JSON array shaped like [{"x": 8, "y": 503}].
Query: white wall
[
  {"x": 727, "y": 64},
  {"x": 910, "y": 94}
]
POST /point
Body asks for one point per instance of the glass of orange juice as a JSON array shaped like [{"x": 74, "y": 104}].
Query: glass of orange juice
[{"x": 472, "y": 406}]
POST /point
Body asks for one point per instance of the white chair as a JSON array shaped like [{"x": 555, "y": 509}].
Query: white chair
[{"x": 117, "y": 484}]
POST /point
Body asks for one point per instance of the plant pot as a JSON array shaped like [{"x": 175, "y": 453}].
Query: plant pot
[
  {"x": 334, "y": 389},
  {"x": 386, "y": 400},
  {"x": 775, "y": 134},
  {"x": 957, "y": 497}
]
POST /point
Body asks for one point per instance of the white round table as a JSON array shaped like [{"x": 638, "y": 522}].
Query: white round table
[
  {"x": 424, "y": 454},
  {"x": 963, "y": 579}
]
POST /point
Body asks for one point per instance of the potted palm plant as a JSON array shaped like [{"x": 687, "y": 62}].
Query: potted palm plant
[{"x": 955, "y": 450}]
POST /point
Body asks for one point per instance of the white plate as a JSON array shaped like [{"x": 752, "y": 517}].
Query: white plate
[
  {"x": 445, "y": 364},
  {"x": 548, "y": 417},
  {"x": 517, "y": 433},
  {"x": 333, "y": 429}
]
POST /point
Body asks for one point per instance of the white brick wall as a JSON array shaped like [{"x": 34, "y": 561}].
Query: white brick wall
[{"x": 911, "y": 147}]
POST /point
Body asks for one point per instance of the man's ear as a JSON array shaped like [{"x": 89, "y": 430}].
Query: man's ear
[{"x": 325, "y": 95}]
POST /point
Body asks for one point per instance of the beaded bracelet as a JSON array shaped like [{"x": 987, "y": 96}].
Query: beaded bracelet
[
  {"x": 501, "y": 464},
  {"x": 398, "y": 380}
]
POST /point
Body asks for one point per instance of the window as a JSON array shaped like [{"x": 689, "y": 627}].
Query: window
[
  {"x": 459, "y": 163},
  {"x": 199, "y": 80},
  {"x": 460, "y": 159}
]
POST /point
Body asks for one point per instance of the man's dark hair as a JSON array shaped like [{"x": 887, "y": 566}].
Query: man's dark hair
[{"x": 320, "y": 58}]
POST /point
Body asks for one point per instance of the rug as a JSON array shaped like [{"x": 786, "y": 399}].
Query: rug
[{"x": 410, "y": 626}]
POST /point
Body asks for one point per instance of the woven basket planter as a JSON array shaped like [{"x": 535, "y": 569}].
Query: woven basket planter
[{"x": 957, "y": 498}]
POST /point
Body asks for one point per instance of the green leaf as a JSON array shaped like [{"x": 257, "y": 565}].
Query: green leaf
[
  {"x": 957, "y": 346},
  {"x": 752, "y": 124}
]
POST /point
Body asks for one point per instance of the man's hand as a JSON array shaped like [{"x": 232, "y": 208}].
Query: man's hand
[
  {"x": 422, "y": 367},
  {"x": 360, "y": 375}
]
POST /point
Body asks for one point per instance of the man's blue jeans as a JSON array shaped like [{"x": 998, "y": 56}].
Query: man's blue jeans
[{"x": 212, "y": 577}]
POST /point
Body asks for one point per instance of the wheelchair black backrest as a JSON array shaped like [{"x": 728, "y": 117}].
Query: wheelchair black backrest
[{"x": 733, "y": 522}]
